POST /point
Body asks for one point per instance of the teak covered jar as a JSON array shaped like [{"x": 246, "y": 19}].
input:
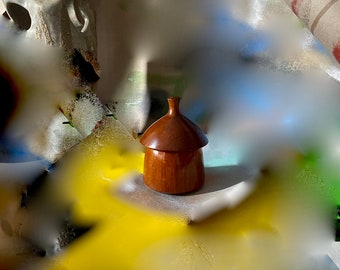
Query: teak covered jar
[{"x": 173, "y": 160}]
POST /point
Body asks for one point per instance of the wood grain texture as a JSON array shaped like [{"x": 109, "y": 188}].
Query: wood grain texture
[
  {"x": 174, "y": 131},
  {"x": 173, "y": 160},
  {"x": 173, "y": 172}
]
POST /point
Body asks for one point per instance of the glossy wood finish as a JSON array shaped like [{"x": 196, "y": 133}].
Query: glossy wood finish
[
  {"x": 173, "y": 161},
  {"x": 173, "y": 172},
  {"x": 174, "y": 131}
]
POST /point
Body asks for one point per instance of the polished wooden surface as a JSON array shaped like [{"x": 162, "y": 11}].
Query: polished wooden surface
[
  {"x": 174, "y": 131},
  {"x": 173, "y": 172},
  {"x": 173, "y": 161}
]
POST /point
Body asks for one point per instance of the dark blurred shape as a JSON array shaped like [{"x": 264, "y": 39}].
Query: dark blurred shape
[
  {"x": 32, "y": 190},
  {"x": 86, "y": 70},
  {"x": 158, "y": 105},
  {"x": 5, "y": 15},
  {"x": 8, "y": 100},
  {"x": 70, "y": 232},
  {"x": 19, "y": 15},
  {"x": 53, "y": 217}
]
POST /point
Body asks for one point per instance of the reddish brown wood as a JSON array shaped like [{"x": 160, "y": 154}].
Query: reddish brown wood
[
  {"x": 174, "y": 131},
  {"x": 173, "y": 172},
  {"x": 173, "y": 158}
]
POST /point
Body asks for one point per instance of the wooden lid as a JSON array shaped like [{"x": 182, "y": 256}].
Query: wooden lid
[{"x": 174, "y": 132}]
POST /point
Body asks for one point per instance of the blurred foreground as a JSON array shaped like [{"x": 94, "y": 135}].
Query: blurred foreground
[{"x": 257, "y": 81}]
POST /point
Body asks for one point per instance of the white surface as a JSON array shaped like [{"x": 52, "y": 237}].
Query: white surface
[
  {"x": 225, "y": 187},
  {"x": 334, "y": 253},
  {"x": 2, "y": 8}
]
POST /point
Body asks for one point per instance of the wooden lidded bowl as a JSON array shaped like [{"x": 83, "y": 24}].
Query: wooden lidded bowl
[{"x": 173, "y": 161}]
